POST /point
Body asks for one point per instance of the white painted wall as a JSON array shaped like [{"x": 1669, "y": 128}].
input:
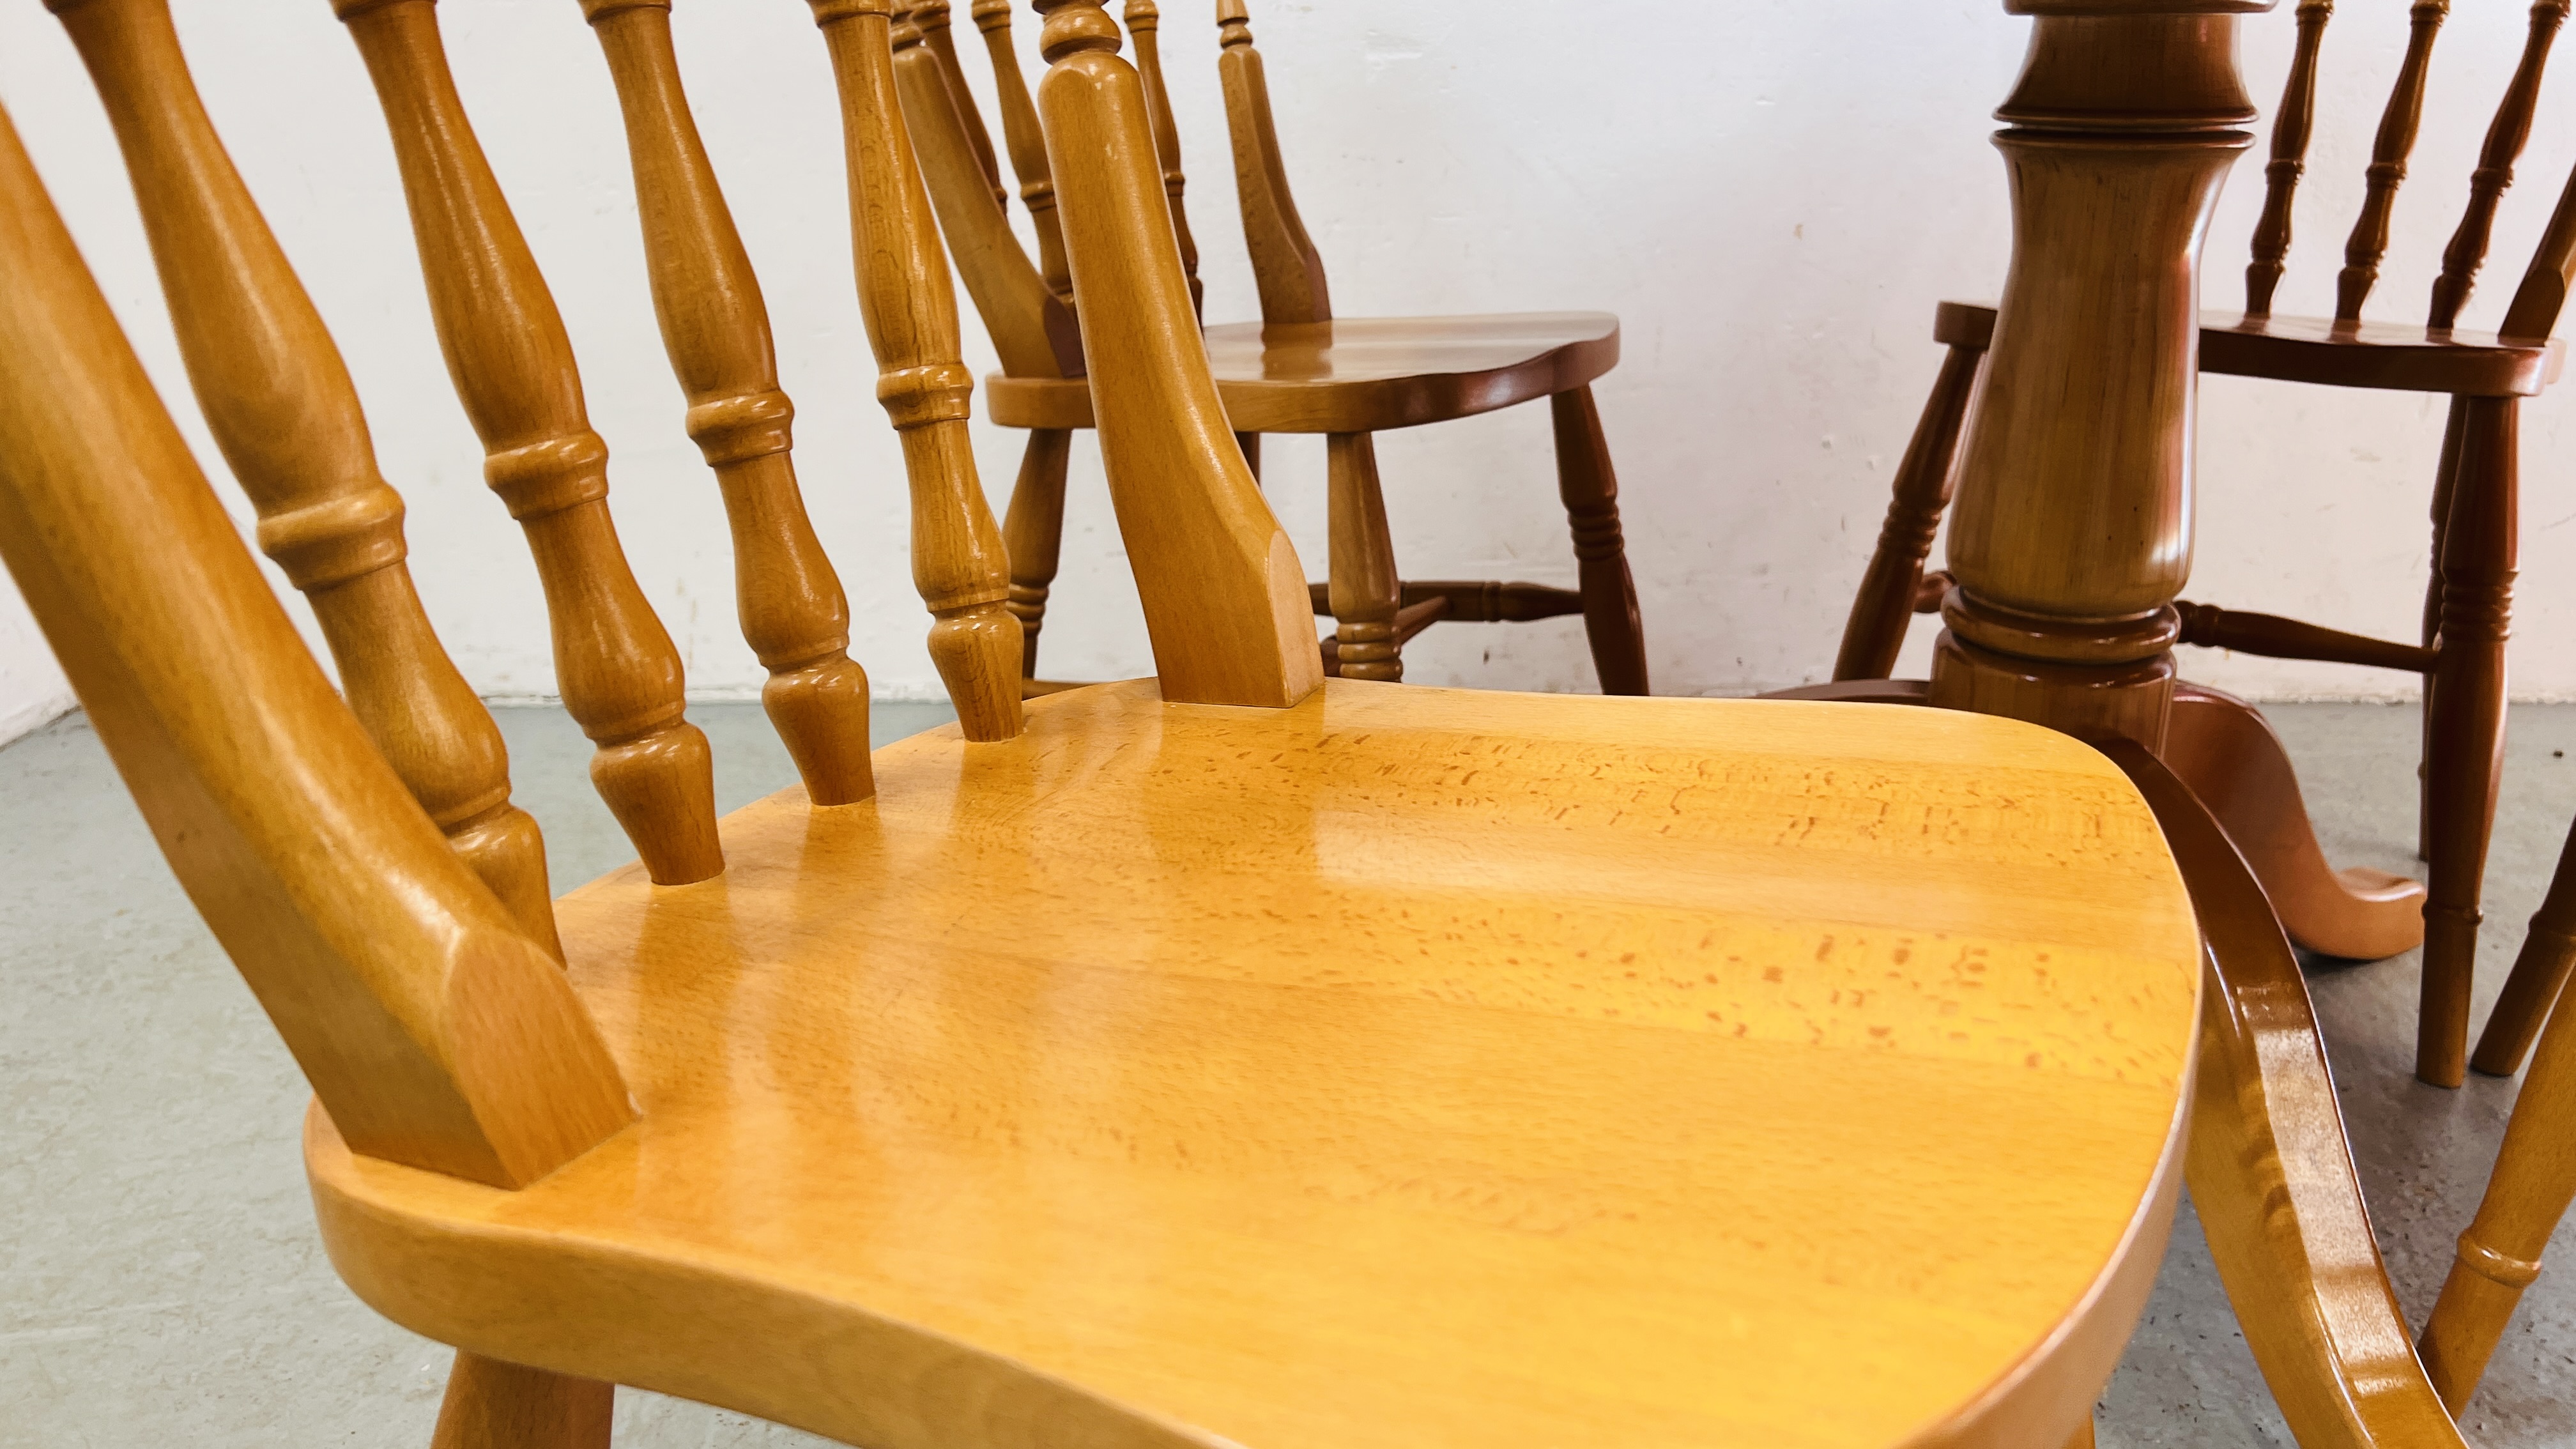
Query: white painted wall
[{"x": 1772, "y": 193}]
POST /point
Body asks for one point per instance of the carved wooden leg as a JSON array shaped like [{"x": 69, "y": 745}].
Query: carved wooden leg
[
  {"x": 1250, "y": 443},
  {"x": 1033, "y": 534},
  {"x": 2535, "y": 1179},
  {"x": 2223, "y": 748},
  {"x": 1365, "y": 592},
  {"x": 496, "y": 1405},
  {"x": 2466, "y": 740},
  {"x": 1591, "y": 493},
  {"x": 2443, "y": 487},
  {"x": 2270, "y": 1171},
  {"x": 1884, "y": 606},
  {"x": 2539, "y": 974}
]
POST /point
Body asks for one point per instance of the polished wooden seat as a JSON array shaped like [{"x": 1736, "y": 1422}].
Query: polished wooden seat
[
  {"x": 2474, "y": 507},
  {"x": 1407, "y": 1086},
  {"x": 1360, "y": 374},
  {"x": 2392, "y": 355},
  {"x": 1235, "y": 1057},
  {"x": 1299, "y": 370}
]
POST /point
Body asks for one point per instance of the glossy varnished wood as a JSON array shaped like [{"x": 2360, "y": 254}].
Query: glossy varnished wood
[
  {"x": 279, "y": 401},
  {"x": 433, "y": 1029},
  {"x": 1358, "y": 375},
  {"x": 1174, "y": 1075},
  {"x": 958, "y": 564},
  {"x": 716, "y": 328},
  {"x": 512, "y": 365}
]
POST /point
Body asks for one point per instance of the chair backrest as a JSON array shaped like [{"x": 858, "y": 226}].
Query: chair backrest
[
  {"x": 716, "y": 329},
  {"x": 995, "y": 267},
  {"x": 2536, "y": 304},
  {"x": 434, "y": 1031},
  {"x": 1225, "y": 597},
  {"x": 1285, "y": 265}
]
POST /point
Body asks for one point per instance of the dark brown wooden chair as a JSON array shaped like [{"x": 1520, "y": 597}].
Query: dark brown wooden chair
[
  {"x": 1298, "y": 370},
  {"x": 2467, "y": 603}
]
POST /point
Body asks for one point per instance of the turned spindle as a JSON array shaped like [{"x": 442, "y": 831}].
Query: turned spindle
[
  {"x": 1286, "y": 268},
  {"x": 716, "y": 329},
  {"x": 1364, "y": 591},
  {"x": 1026, "y": 143},
  {"x": 2388, "y": 153},
  {"x": 278, "y": 399},
  {"x": 1144, "y": 27},
  {"x": 1033, "y": 534},
  {"x": 2505, "y": 138},
  {"x": 2289, "y": 161},
  {"x": 958, "y": 562},
  {"x": 513, "y": 369}
]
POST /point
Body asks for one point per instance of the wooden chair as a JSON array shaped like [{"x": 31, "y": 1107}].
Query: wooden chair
[
  {"x": 2365, "y": 914},
  {"x": 1078, "y": 1084},
  {"x": 1297, "y": 370}
]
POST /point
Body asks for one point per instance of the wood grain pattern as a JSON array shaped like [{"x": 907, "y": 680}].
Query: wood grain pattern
[
  {"x": 434, "y": 1032},
  {"x": 1027, "y": 146},
  {"x": 958, "y": 564},
  {"x": 2387, "y": 169},
  {"x": 2290, "y": 128},
  {"x": 1224, "y": 594},
  {"x": 1286, "y": 269},
  {"x": 2505, "y": 137},
  {"x": 1144, "y": 27},
  {"x": 1361, "y": 375},
  {"x": 716, "y": 329},
  {"x": 513, "y": 369},
  {"x": 2271, "y": 1172},
  {"x": 1047, "y": 1121},
  {"x": 280, "y": 404}
]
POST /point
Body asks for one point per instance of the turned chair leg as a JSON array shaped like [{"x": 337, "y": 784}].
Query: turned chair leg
[
  {"x": 496, "y": 1405},
  {"x": 2535, "y": 1179},
  {"x": 2466, "y": 735},
  {"x": 2444, "y": 480},
  {"x": 1884, "y": 606},
  {"x": 1591, "y": 493},
  {"x": 1363, "y": 589},
  {"x": 2539, "y": 974},
  {"x": 1033, "y": 534}
]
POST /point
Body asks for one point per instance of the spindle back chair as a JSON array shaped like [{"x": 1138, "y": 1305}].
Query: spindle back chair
[
  {"x": 996, "y": 969},
  {"x": 1299, "y": 370},
  {"x": 2468, "y": 599}
]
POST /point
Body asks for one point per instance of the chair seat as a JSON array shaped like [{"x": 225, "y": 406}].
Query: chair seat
[
  {"x": 2316, "y": 349},
  {"x": 1360, "y": 374},
  {"x": 1408, "y": 1067}
]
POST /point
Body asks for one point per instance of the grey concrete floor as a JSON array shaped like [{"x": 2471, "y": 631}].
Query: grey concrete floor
[{"x": 160, "y": 1281}]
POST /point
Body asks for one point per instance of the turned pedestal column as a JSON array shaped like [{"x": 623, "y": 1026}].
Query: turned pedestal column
[{"x": 2072, "y": 531}]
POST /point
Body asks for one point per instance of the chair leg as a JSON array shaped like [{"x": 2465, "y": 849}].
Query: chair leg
[
  {"x": 2083, "y": 1438},
  {"x": 2444, "y": 480},
  {"x": 2540, "y": 973},
  {"x": 1250, "y": 443},
  {"x": 1033, "y": 534},
  {"x": 1884, "y": 606},
  {"x": 1363, "y": 589},
  {"x": 496, "y": 1405},
  {"x": 2534, "y": 1181},
  {"x": 2466, "y": 737},
  {"x": 1591, "y": 493}
]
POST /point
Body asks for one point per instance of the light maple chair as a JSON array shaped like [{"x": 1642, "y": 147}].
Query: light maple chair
[
  {"x": 2468, "y": 600},
  {"x": 1298, "y": 370},
  {"x": 1085, "y": 1082}
]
